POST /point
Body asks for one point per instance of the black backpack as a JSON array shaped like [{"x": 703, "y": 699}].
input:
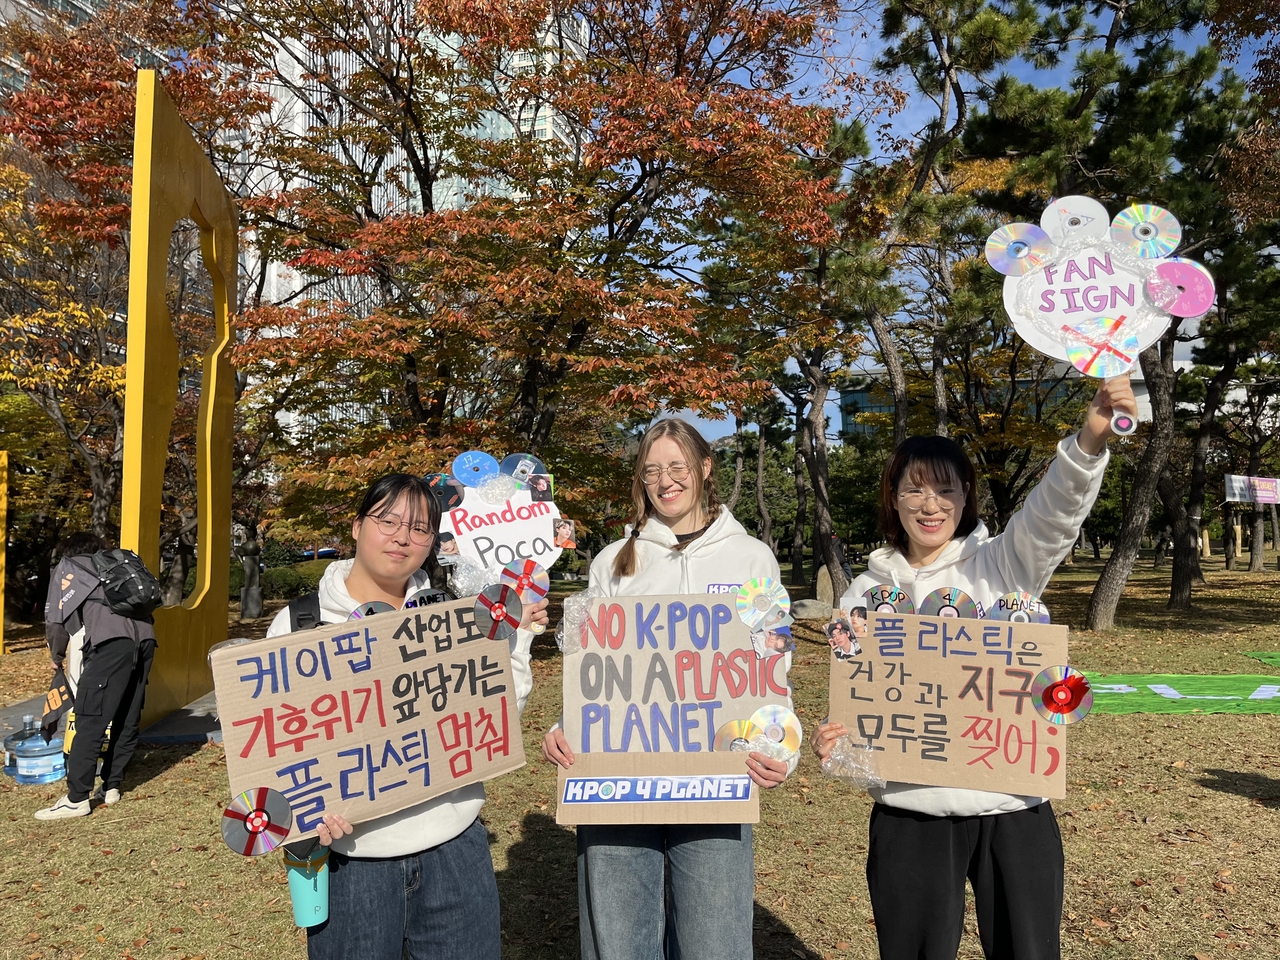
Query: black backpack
[{"x": 129, "y": 589}]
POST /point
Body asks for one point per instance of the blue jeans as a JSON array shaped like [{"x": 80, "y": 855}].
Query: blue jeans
[
  {"x": 627, "y": 912},
  {"x": 442, "y": 902}
]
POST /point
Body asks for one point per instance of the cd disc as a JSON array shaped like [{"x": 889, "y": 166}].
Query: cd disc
[
  {"x": 734, "y": 736},
  {"x": 1017, "y": 248},
  {"x": 1101, "y": 347},
  {"x": 256, "y": 822},
  {"x": 778, "y": 724},
  {"x": 474, "y": 467},
  {"x": 1075, "y": 218},
  {"x": 1149, "y": 231},
  {"x": 370, "y": 609},
  {"x": 498, "y": 611},
  {"x": 886, "y": 598},
  {"x": 1061, "y": 695},
  {"x": 948, "y": 602},
  {"x": 757, "y": 599},
  {"x": 1019, "y": 607},
  {"x": 522, "y": 466},
  {"x": 447, "y": 490},
  {"x": 528, "y": 578},
  {"x": 1182, "y": 288},
  {"x": 424, "y": 597}
]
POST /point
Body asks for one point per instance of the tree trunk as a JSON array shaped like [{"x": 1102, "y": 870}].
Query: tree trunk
[
  {"x": 175, "y": 579},
  {"x": 813, "y": 448},
  {"x": 1229, "y": 545},
  {"x": 1275, "y": 528},
  {"x": 766, "y": 521},
  {"x": 1258, "y": 541},
  {"x": 893, "y": 368},
  {"x": 1186, "y": 543},
  {"x": 940, "y": 417},
  {"x": 732, "y": 502},
  {"x": 797, "y": 529},
  {"x": 1157, "y": 367}
]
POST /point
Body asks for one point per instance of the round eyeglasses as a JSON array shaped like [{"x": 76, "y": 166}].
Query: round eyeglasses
[
  {"x": 652, "y": 473},
  {"x": 419, "y": 533},
  {"x": 947, "y": 500}
]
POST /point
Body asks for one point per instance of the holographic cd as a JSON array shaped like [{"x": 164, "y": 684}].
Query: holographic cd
[
  {"x": 256, "y": 822},
  {"x": 758, "y": 597},
  {"x": 424, "y": 597},
  {"x": 371, "y": 609},
  {"x": 474, "y": 467},
  {"x": 447, "y": 490},
  {"x": 886, "y": 598},
  {"x": 529, "y": 579},
  {"x": 1075, "y": 218},
  {"x": 1019, "y": 607},
  {"x": 1061, "y": 695},
  {"x": 779, "y": 724},
  {"x": 498, "y": 611},
  {"x": 1149, "y": 231},
  {"x": 1101, "y": 347},
  {"x": 948, "y": 602},
  {"x": 735, "y": 736},
  {"x": 1018, "y": 248},
  {"x": 1183, "y": 288},
  {"x": 522, "y": 466}
]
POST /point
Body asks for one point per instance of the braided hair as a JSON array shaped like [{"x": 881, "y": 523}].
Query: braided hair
[{"x": 696, "y": 452}]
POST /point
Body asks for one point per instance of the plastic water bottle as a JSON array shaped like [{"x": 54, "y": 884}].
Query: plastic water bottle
[{"x": 28, "y": 759}]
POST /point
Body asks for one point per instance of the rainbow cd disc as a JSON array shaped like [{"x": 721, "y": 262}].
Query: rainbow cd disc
[
  {"x": 498, "y": 611},
  {"x": 1101, "y": 347},
  {"x": 1018, "y": 248},
  {"x": 1075, "y": 218},
  {"x": 527, "y": 578},
  {"x": 757, "y": 599},
  {"x": 257, "y": 821},
  {"x": 948, "y": 602},
  {"x": 424, "y": 597},
  {"x": 886, "y": 598},
  {"x": 521, "y": 466},
  {"x": 474, "y": 467},
  {"x": 1183, "y": 288},
  {"x": 371, "y": 609},
  {"x": 447, "y": 490},
  {"x": 779, "y": 724},
  {"x": 1019, "y": 607},
  {"x": 734, "y": 736},
  {"x": 1149, "y": 231},
  {"x": 1061, "y": 695}
]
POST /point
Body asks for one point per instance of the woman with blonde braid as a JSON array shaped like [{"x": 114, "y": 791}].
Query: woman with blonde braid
[{"x": 681, "y": 540}]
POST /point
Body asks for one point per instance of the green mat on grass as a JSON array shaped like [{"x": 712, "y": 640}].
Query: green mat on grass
[
  {"x": 1184, "y": 693},
  {"x": 1271, "y": 657}
]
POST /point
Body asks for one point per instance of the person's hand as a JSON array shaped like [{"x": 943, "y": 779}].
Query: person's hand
[
  {"x": 555, "y": 748},
  {"x": 534, "y": 613},
  {"x": 824, "y": 738},
  {"x": 333, "y": 828},
  {"x": 765, "y": 772},
  {"x": 1114, "y": 394}
]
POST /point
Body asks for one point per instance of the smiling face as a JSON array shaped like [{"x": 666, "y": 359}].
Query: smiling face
[
  {"x": 929, "y": 508},
  {"x": 676, "y": 502},
  {"x": 390, "y": 558}
]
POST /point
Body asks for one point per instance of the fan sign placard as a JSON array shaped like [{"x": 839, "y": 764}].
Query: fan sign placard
[
  {"x": 645, "y": 693},
  {"x": 947, "y": 702},
  {"x": 367, "y": 717},
  {"x": 519, "y": 528}
]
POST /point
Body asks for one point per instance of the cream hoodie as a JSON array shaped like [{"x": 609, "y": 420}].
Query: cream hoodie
[
  {"x": 1023, "y": 557},
  {"x": 437, "y": 820}
]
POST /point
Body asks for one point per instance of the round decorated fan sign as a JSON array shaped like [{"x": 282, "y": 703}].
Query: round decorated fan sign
[{"x": 1094, "y": 291}]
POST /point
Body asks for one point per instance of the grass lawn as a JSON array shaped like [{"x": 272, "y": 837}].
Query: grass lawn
[{"x": 1171, "y": 824}]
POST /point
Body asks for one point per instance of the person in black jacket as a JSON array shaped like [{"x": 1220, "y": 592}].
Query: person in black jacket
[{"x": 117, "y": 654}]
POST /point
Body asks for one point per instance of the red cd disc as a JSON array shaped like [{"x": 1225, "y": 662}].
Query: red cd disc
[
  {"x": 498, "y": 611},
  {"x": 256, "y": 821},
  {"x": 1062, "y": 695}
]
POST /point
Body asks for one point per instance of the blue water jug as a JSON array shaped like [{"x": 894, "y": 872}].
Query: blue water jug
[{"x": 28, "y": 759}]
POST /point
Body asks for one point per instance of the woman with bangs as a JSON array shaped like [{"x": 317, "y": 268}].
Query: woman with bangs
[
  {"x": 681, "y": 540},
  {"x": 925, "y": 841},
  {"x": 418, "y": 883}
]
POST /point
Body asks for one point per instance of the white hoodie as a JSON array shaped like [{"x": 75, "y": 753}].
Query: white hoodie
[
  {"x": 1023, "y": 557},
  {"x": 437, "y": 820},
  {"x": 722, "y": 559}
]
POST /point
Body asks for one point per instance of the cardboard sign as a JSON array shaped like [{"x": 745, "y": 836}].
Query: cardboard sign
[
  {"x": 368, "y": 717},
  {"x": 517, "y": 529},
  {"x": 947, "y": 702},
  {"x": 652, "y": 681}
]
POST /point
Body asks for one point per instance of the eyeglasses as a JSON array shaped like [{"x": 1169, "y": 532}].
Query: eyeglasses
[
  {"x": 652, "y": 473},
  {"x": 419, "y": 533},
  {"x": 947, "y": 499}
]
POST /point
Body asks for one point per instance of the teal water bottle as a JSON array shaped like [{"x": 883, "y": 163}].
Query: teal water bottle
[{"x": 307, "y": 864}]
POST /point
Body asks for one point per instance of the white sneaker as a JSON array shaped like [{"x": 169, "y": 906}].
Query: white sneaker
[
  {"x": 63, "y": 809},
  {"x": 107, "y": 796}
]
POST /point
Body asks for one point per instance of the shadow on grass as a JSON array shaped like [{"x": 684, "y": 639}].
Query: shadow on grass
[
  {"x": 1253, "y": 786},
  {"x": 151, "y": 760}
]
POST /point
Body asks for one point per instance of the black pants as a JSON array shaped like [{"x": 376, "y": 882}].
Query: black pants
[
  {"x": 916, "y": 869},
  {"x": 113, "y": 684}
]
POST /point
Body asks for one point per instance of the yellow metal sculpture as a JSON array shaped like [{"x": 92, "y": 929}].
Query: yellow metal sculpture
[
  {"x": 4, "y": 525},
  {"x": 172, "y": 179}
]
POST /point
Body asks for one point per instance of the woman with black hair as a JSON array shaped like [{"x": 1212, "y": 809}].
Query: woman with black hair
[
  {"x": 924, "y": 840},
  {"x": 418, "y": 883}
]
